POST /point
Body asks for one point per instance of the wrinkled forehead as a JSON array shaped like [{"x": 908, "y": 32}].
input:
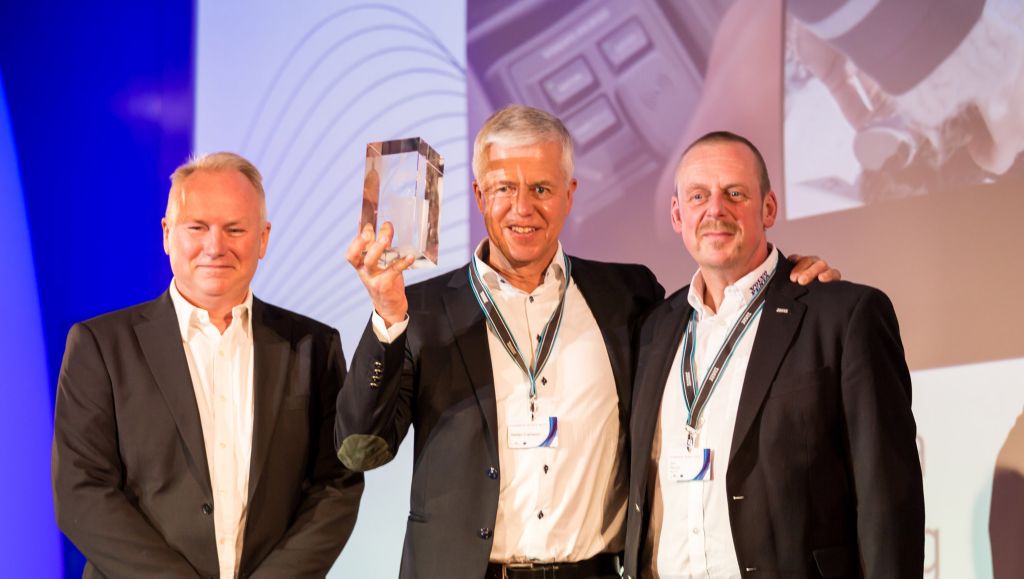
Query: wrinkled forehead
[
  {"x": 717, "y": 162},
  {"x": 220, "y": 192},
  {"x": 528, "y": 163}
]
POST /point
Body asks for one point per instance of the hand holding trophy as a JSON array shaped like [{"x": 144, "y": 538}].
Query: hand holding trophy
[{"x": 401, "y": 191}]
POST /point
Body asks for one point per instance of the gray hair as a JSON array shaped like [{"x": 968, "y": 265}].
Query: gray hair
[
  {"x": 521, "y": 126},
  {"x": 222, "y": 161}
]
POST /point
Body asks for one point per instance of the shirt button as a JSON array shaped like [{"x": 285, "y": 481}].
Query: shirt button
[
  {"x": 531, "y": 299},
  {"x": 223, "y": 445},
  {"x": 696, "y": 531},
  {"x": 207, "y": 508},
  {"x": 492, "y": 473},
  {"x": 540, "y": 515},
  {"x": 485, "y": 533}
]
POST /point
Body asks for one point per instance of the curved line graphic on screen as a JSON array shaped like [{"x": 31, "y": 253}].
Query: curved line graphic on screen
[
  {"x": 329, "y": 201},
  {"x": 359, "y": 74},
  {"x": 306, "y": 269},
  {"x": 428, "y": 35}
]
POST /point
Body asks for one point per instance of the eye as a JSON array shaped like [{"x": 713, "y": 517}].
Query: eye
[
  {"x": 235, "y": 231},
  {"x": 540, "y": 191},
  {"x": 696, "y": 196},
  {"x": 503, "y": 190},
  {"x": 734, "y": 194}
]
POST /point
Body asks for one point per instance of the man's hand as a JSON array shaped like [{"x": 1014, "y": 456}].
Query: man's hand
[
  {"x": 807, "y": 268},
  {"x": 386, "y": 285}
]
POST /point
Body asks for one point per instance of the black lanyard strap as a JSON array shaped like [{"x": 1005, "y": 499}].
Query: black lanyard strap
[
  {"x": 500, "y": 327},
  {"x": 696, "y": 399}
]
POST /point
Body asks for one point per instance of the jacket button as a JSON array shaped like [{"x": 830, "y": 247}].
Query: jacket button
[
  {"x": 492, "y": 473},
  {"x": 485, "y": 533},
  {"x": 207, "y": 508}
]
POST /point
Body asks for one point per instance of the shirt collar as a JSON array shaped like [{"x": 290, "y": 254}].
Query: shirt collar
[
  {"x": 738, "y": 294},
  {"x": 192, "y": 318},
  {"x": 553, "y": 275}
]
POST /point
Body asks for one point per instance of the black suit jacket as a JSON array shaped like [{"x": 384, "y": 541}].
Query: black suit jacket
[
  {"x": 130, "y": 476},
  {"x": 823, "y": 477},
  {"x": 437, "y": 378}
]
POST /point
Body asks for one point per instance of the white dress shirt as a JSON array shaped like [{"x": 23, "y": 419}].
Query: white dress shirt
[
  {"x": 559, "y": 504},
  {"x": 221, "y": 366},
  {"x": 690, "y": 535}
]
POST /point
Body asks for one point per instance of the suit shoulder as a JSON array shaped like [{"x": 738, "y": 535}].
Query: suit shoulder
[
  {"x": 844, "y": 290},
  {"x": 303, "y": 323},
  {"x": 626, "y": 270},
  {"x": 123, "y": 317}
]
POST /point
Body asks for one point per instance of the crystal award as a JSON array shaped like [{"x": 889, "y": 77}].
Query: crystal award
[{"x": 403, "y": 185}]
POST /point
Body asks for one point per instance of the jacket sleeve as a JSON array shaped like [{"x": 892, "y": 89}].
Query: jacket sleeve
[
  {"x": 881, "y": 433},
  {"x": 327, "y": 513},
  {"x": 91, "y": 506},
  {"x": 375, "y": 406}
]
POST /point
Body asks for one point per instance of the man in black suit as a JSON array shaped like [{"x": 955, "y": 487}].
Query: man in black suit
[
  {"x": 514, "y": 372},
  {"x": 193, "y": 433},
  {"x": 772, "y": 433}
]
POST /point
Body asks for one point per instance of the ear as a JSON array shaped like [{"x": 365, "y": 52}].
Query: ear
[
  {"x": 675, "y": 214},
  {"x": 572, "y": 190},
  {"x": 769, "y": 209},
  {"x": 166, "y": 226},
  {"x": 479, "y": 194},
  {"x": 264, "y": 239}
]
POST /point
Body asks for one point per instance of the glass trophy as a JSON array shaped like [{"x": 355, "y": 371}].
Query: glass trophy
[{"x": 403, "y": 185}]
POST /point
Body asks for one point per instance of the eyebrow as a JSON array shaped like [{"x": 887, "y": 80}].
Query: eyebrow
[
  {"x": 235, "y": 223},
  {"x": 726, "y": 187}
]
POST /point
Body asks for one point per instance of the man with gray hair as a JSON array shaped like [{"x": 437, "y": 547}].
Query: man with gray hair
[
  {"x": 514, "y": 371},
  {"x": 192, "y": 434}
]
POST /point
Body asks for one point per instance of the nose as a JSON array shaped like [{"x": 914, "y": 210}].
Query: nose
[
  {"x": 213, "y": 242},
  {"x": 524, "y": 201},
  {"x": 716, "y": 204}
]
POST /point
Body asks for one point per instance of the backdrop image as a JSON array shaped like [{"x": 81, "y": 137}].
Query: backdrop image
[{"x": 893, "y": 132}]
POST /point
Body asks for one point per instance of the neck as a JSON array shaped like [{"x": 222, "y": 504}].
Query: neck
[
  {"x": 716, "y": 280},
  {"x": 220, "y": 319},
  {"x": 714, "y": 288},
  {"x": 219, "y": 310},
  {"x": 525, "y": 276}
]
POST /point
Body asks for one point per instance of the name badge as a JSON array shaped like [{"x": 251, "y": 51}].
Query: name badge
[
  {"x": 689, "y": 465},
  {"x": 534, "y": 434}
]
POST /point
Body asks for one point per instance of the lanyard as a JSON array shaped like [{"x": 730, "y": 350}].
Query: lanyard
[
  {"x": 497, "y": 323},
  {"x": 697, "y": 399}
]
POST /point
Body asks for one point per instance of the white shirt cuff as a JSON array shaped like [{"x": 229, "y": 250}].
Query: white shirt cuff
[{"x": 385, "y": 334}]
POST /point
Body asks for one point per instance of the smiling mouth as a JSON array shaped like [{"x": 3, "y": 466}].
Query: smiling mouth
[{"x": 522, "y": 229}]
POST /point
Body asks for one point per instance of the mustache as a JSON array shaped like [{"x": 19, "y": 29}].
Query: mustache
[{"x": 717, "y": 226}]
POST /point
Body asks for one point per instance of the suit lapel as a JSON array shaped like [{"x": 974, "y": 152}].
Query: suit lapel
[
  {"x": 655, "y": 365},
  {"x": 469, "y": 327},
  {"x": 779, "y": 322},
  {"x": 271, "y": 357},
  {"x": 160, "y": 339},
  {"x": 614, "y": 328}
]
